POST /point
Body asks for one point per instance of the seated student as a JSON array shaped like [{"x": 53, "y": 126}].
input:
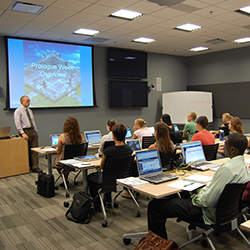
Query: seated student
[
  {"x": 71, "y": 135},
  {"x": 235, "y": 126},
  {"x": 109, "y": 136},
  {"x": 118, "y": 151},
  {"x": 226, "y": 117},
  {"x": 203, "y": 135},
  {"x": 140, "y": 130},
  {"x": 163, "y": 143},
  {"x": 190, "y": 127},
  {"x": 167, "y": 120},
  {"x": 202, "y": 207}
]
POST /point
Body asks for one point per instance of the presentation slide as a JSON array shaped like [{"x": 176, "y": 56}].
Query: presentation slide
[{"x": 51, "y": 74}]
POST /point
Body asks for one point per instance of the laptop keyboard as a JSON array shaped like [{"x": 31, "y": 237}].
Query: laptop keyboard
[{"x": 160, "y": 177}]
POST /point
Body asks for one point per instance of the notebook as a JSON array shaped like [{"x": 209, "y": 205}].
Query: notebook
[
  {"x": 93, "y": 137},
  {"x": 152, "y": 130},
  {"x": 129, "y": 133},
  {"x": 4, "y": 132},
  {"x": 193, "y": 152},
  {"x": 149, "y": 167},
  {"x": 134, "y": 144},
  {"x": 54, "y": 140}
]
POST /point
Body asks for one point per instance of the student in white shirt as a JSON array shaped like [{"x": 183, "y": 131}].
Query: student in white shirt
[{"x": 140, "y": 130}]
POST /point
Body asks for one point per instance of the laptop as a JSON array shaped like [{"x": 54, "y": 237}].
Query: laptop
[
  {"x": 152, "y": 130},
  {"x": 149, "y": 167},
  {"x": 93, "y": 137},
  {"x": 54, "y": 140},
  {"x": 129, "y": 134},
  {"x": 176, "y": 129},
  {"x": 193, "y": 152},
  {"x": 5, "y": 133},
  {"x": 134, "y": 144}
]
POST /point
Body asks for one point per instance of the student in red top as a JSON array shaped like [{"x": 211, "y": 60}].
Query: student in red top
[{"x": 203, "y": 135}]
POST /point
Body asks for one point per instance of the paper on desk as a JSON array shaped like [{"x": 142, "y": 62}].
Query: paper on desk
[
  {"x": 48, "y": 149},
  {"x": 132, "y": 181},
  {"x": 186, "y": 185},
  {"x": 198, "y": 178},
  {"x": 69, "y": 162},
  {"x": 76, "y": 163}
]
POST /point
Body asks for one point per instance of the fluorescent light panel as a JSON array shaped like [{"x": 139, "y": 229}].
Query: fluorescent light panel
[
  {"x": 27, "y": 7},
  {"x": 242, "y": 40},
  {"x": 188, "y": 27},
  {"x": 244, "y": 10},
  {"x": 86, "y": 32},
  {"x": 127, "y": 14},
  {"x": 200, "y": 48},
  {"x": 144, "y": 40}
]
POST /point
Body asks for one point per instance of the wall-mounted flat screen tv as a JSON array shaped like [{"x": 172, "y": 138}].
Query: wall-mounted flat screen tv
[
  {"x": 52, "y": 74},
  {"x": 124, "y": 63},
  {"x": 128, "y": 94}
]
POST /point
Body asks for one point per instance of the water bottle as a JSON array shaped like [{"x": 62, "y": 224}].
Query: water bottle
[{"x": 222, "y": 135}]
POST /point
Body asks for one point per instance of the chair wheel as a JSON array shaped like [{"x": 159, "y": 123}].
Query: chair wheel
[
  {"x": 104, "y": 224},
  {"x": 75, "y": 183},
  {"x": 115, "y": 205},
  {"x": 67, "y": 195},
  {"x": 56, "y": 187},
  {"x": 138, "y": 214},
  {"x": 65, "y": 204},
  {"x": 203, "y": 243},
  {"x": 126, "y": 241}
]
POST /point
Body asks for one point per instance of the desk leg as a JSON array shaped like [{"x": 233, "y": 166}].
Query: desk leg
[
  {"x": 49, "y": 164},
  {"x": 85, "y": 181}
]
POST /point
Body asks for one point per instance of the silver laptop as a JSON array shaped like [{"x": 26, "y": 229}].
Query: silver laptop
[
  {"x": 149, "y": 167},
  {"x": 193, "y": 154},
  {"x": 54, "y": 140},
  {"x": 134, "y": 144},
  {"x": 93, "y": 137},
  {"x": 4, "y": 132},
  {"x": 129, "y": 133}
]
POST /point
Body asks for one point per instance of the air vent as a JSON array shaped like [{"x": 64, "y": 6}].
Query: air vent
[
  {"x": 216, "y": 41},
  {"x": 166, "y": 2}
]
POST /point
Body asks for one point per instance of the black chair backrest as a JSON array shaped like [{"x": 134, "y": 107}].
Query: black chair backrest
[
  {"x": 229, "y": 206},
  {"x": 72, "y": 151},
  {"x": 147, "y": 141},
  {"x": 115, "y": 169},
  {"x": 210, "y": 151},
  {"x": 108, "y": 144},
  {"x": 167, "y": 160}
]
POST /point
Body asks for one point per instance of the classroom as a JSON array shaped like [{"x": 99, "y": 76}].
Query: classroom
[{"x": 168, "y": 58}]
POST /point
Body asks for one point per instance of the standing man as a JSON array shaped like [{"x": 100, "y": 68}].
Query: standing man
[
  {"x": 190, "y": 127},
  {"x": 26, "y": 126}
]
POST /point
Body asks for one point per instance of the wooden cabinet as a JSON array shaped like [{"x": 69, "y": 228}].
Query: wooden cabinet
[{"x": 14, "y": 158}]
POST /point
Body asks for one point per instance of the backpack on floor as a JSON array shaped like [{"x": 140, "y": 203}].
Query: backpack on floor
[
  {"x": 80, "y": 209},
  {"x": 45, "y": 185}
]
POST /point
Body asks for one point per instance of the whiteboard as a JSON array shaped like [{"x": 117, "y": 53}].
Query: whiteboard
[{"x": 179, "y": 104}]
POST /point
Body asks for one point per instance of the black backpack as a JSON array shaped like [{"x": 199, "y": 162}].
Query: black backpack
[
  {"x": 80, "y": 209},
  {"x": 45, "y": 185}
]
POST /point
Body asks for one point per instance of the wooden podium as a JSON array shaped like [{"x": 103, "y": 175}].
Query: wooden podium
[{"x": 14, "y": 157}]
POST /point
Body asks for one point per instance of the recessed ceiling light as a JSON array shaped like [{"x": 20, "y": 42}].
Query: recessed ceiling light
[
  {"x": 242, "y": 40},
  {"x": 86, "y": 32},
  {"x": 244, "y": 10},
  {"x": 27, "y": 7},
  {"x": 127, "y": 14},
  {"x": 197, "y": 49},
  {"x": 188, "y": 27},
  {"x": 144, "y": 40}
]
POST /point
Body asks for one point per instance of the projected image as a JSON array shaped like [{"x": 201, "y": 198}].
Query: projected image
[{"x": 51, "y": 74}]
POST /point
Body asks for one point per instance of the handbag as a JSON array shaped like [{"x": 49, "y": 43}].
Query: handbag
[
  {"x": 45, "y": 185},
  {"x": 154, "y": 242}
]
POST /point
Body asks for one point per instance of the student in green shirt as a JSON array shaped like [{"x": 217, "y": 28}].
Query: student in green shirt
[
  {"x": 190, "y": 128},
  {"x": 202, "y": 207}
]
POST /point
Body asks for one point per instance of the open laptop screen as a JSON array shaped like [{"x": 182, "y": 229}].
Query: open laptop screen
[
  {"x": 93, "y": 136},
  {"x": 54, "y": 139},
  {"x": 193, "y": 151},
  {"x": 134, "y": 144},
  {"x": 129, "y": 133},
  {"x": 148, "y": 162},
  {"x": 176, "y": 129},
  {"x": 152, "y": 130}
]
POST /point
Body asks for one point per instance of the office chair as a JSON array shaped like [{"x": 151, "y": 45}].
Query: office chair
[
  {"x": 70, "y": 152},
  {"x": 108, "y": 144},
  {"x": 112, "y": 170},
  {"x": 167, "y": 161},
  {"x": 147, "y": 141},
  {"x": 210, "y": 151},
  {"x": 228, "y": 216}
]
